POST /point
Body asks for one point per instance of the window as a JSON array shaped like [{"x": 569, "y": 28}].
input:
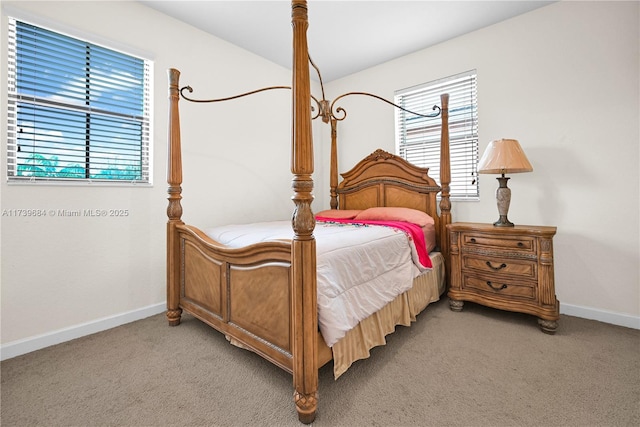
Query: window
[
  {"x": 77, "y": 111},
  {"x": 418, "y": 138}
]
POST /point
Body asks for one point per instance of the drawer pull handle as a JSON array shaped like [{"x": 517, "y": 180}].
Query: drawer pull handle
[
  {"x": 472, "y": 240},
  {"x": 495, "y": 288},
  {"x": 520, "y": 244},
  {"x": 500, "y": 267}
]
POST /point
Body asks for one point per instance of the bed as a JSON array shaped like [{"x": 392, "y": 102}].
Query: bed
[{"x": 265, "y": 294}]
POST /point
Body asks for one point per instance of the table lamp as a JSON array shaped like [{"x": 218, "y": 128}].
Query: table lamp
[{"x": 504, "y": 156}]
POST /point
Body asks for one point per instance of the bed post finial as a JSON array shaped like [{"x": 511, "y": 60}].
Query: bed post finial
[
  {"x": 174, "y": 210},
  {"x": 445, "y": 180},
  {"x": 303, "y": 251}
]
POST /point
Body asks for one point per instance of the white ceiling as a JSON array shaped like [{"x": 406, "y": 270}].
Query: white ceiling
[{"x": 344, "y": 37}]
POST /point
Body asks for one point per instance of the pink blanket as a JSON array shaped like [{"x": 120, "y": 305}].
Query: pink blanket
[{"x": 413, "y": 231}]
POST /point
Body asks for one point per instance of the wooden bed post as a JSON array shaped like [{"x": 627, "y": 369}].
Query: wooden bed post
[
  {"x": 333, "y": 173},
  {"x": 174, "y": 210},
  {"x": 305, "y": 310},
  {"x": 445, "y": 181}
]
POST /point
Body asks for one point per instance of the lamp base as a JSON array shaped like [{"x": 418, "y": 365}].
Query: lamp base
[
  {"x": 503, "y": 197},
  {"x": 503, "y": 222}
]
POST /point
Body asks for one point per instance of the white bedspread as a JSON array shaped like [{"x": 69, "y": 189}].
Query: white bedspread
[{"x": 360, "y": 268}]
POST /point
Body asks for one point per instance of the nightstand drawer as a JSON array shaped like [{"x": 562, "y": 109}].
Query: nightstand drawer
[
  {"x": 512, "y": 267},
  {"x": 502, "y": 242},
  {"x": 497, "y": 286}
]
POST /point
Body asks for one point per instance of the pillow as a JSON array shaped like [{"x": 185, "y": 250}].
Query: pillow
[
  {"x": 429, "y": 231},
  {"x": 339, "y": 214},
  {"x": 395, "y": 214}
]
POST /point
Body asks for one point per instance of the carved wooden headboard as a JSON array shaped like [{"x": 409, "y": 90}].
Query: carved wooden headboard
[{"x": 384, "y": 179}]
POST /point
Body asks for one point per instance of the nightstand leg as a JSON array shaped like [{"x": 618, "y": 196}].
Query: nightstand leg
[
  {"x": 455, "y": 305},
  {"x": 548, "y": 326}
]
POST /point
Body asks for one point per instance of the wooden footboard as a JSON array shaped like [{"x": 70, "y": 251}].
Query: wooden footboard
[{"x": 244, "y": 293}]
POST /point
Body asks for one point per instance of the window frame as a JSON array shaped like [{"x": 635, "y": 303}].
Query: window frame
[
  {"x": 143, "y": 120},
  {"x": 463, "y": 130}
]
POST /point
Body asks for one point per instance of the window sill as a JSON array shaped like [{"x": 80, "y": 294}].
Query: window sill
[{"x": 78, "y": 183}]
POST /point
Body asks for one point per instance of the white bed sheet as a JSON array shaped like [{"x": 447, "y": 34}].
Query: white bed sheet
[{"x": 359, "y": 268}]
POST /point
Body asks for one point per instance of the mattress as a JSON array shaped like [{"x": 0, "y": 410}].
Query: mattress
[{"x": 360, "y": 269}]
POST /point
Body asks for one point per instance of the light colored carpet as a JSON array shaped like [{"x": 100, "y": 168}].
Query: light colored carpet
[{"x": 480, "y": 367}]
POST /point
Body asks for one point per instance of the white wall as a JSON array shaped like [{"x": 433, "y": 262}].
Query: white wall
[
  {"x": 564, "y": 81},
  {"x": 63, "y": 277}
]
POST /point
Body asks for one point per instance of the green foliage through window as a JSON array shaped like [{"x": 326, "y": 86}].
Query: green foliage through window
[{"x": 39, "y": 166}]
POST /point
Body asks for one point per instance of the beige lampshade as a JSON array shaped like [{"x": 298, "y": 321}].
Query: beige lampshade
[{"x": 504, "y": 156}]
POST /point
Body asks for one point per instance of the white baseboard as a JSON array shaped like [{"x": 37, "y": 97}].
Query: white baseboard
[
  {"x": 24, "y": 346},
  {"x": 27, "y": 345},
  {"x": 613, "y": 318}
]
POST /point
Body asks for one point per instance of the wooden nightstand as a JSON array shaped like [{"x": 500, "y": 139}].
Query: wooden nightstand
[{"x": 509, "y": 268}]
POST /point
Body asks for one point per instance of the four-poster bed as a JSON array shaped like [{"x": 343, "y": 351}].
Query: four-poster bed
[{"x": 264, "y": 296}]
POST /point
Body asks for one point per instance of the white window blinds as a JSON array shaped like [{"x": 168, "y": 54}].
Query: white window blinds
[
  {"x": 77, "y": 111},
  {"x": 418, "y": 138}
]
